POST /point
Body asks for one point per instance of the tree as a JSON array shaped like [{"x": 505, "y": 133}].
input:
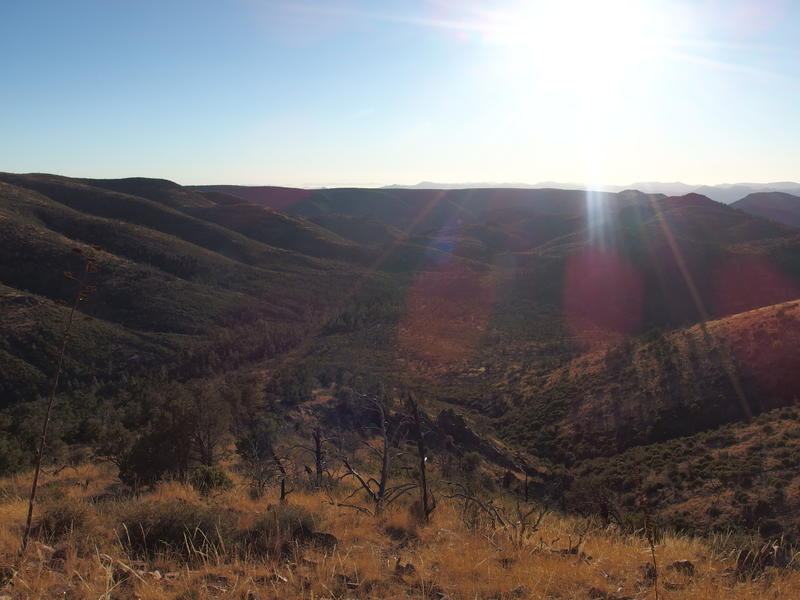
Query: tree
[
  {"x": 378, "y": 490},
  {"x": 426, "y": 499},
  {"x": 256, "y": 447},
  {"x": 211, "y": 421},
  {"x": 319, "y": 454},
  {"x": 167, "y": 442}
]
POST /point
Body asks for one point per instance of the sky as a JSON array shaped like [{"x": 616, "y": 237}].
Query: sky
[{"x": 370, "y": 93}]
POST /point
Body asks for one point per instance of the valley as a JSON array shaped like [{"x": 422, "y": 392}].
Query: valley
[{"x": 603, "y": 354}]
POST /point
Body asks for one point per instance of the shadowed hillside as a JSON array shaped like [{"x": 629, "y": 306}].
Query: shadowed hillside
[
  {"x": 775, "y": 206},
  {"x": 555, "y": 326}
]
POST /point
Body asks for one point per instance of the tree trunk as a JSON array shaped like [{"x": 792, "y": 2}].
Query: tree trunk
[
  {"x": 319, "y": 456},
  {"x": 282, "y": 470},
  {"x": 425, "y": 500}
]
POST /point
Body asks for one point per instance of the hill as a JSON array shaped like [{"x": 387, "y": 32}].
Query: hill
[
  {"x": 775, "y": 206},
  {"x": 556, "y": 326}
]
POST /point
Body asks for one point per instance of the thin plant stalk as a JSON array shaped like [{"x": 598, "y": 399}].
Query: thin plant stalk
[{"x": 79, "y": 295}]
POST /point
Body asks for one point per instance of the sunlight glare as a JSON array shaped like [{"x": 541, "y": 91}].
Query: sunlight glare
[{"x": 576, "y": 43}]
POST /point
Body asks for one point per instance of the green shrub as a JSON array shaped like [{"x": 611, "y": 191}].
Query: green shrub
[{"x": 207, "y": 479}]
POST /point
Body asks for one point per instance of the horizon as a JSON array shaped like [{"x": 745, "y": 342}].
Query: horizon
[
  {"x": 567, "y": 185},
  {"x": 316, "y": 94}
]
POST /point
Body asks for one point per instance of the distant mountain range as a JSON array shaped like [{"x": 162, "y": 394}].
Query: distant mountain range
[{"x": 724, "y": 192}]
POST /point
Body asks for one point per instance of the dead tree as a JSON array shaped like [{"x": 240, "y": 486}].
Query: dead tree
[
  {"x": 258, "y": 452},
  {"x": 319, "y": 454},
  {"x": 518, "y": 525},
  {"x": 282, "y": 474},
  {"x": 426, "y": 498},
  {"x": 378, "y": 490}
]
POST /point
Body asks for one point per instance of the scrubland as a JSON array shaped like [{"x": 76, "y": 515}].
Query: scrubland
[{"x": 96, "y": 539}]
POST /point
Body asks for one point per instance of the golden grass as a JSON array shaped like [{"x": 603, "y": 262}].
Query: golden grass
[{"x": 449, "y": 558}]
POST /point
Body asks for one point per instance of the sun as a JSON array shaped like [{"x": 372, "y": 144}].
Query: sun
[{"x": 577, "y": 43}]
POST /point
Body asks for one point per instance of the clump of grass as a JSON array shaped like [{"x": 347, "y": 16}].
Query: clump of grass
[
  {"x": 62, "y": 518},
  {"x": 175, "y": 527},
  {"x": 279, "y": 530}
]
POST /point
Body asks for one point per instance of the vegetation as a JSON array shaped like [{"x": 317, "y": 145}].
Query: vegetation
[
  {"x": 173, "y": 542},
  {"x": 472, "y": 385}
]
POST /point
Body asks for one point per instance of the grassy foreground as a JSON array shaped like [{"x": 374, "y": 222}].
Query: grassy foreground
[{"x": 172, "y": 542}]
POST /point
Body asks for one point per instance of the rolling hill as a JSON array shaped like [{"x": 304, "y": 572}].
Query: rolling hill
[
  {"x": 775, "y": 206},
  {"x": 566, "y": 326}
]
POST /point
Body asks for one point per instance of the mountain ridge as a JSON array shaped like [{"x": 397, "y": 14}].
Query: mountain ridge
[{"x": 568, "y": 326}]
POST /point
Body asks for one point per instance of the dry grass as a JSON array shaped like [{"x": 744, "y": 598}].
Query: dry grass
[{"x": 450, "y": 558}]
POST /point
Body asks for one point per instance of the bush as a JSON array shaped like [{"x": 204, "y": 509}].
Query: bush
[
  {"x": 206, "y": 479},
  {"x": 175, "y": 527},
  {"x": 277, "y": 531},
  {"x": 60, "y": 518}
]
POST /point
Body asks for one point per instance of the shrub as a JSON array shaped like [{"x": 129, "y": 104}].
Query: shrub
[
  {"x": 206, "y": 479},
  {"x": 60, "y": 518},
  {"x": 278, "y": 530},
  {"x": 177, "y": 527}
]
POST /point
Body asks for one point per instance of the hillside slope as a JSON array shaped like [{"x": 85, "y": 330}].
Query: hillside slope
[
  {"x": 564, "y": 326},
  {"x": 775, "y": 206}
]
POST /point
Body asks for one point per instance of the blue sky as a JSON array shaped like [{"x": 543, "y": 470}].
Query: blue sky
[{"x": 348, "y": 92}]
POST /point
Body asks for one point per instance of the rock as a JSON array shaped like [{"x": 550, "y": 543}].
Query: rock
[
  {"x": 155, "y": 575},
  {"x": 684, "y": 567},
  {"x": 453, "y": 424}
]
